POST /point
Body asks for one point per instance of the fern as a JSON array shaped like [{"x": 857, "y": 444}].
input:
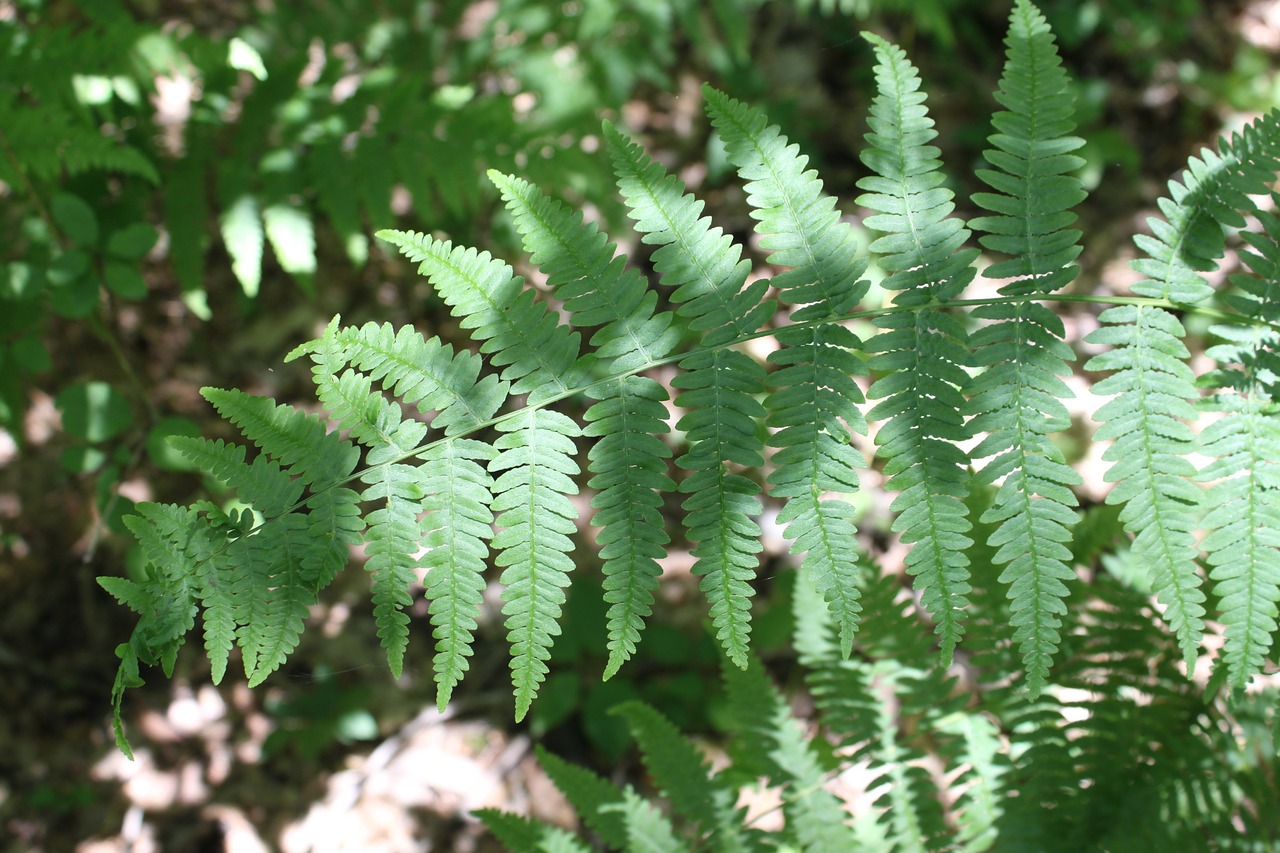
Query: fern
[
  {"x": 1015, "y": 401},
  {"x": 461, "y": 462},
  {"x": 923, "y": 350}
]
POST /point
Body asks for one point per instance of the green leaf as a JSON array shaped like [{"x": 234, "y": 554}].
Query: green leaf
[
  {"x": 132, "y": 242},
  {"x": 76, "y": 219},
  {"x": 93, "y": 411},
  {"x": 124, "y": 279}
]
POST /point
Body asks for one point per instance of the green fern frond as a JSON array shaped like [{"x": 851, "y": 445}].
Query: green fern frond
[
  {"x": 595, "y": 284},
  {"x": 814, "y": 404},
  {"x": 458, "y": 493},
  {"x": 424, "y": 373},
  {"x": 535, "y": 471},
  {"x": 815, "y": 818},
  {"x": 539, "y": 356},
  {"x": 719, "y": 386},
  {"x": 298, "y": 442},
  {"x": 589, "y": 794},
  {"x": 522, "y": 835},
  {"x": 1153, "y": 386},
  {"x": 923, "y": 352},
  {"x": 1016, "y": 400},
  {"x": 1243, "y": 516},
  {"x": 682, "y": 774},
  {"x": 629, "y": 461},
  {"x": 648, "y": 830}
]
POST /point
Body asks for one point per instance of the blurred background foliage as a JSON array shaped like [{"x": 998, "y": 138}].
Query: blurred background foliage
[{"x": 188, "y": 188}]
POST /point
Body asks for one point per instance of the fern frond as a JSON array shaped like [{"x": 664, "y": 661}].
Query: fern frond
[
  {"x": 425, "y": 373},
  {"x": 815, "y": 818},
  {"x": 682, "y": 774},
  {"x": 923, "y": 352},
  {"x": 596, "y": 285},
  {"x": 631, "y": 476},
  {"x": 522, "y": 835},
  {"x": 648, "y": 830},
  {"x": 1016, "y": 400},
  {"x": 535, "y": 468},
  {"x": 458, "y": 526},
  {"x": 589, "y": 794},
  {"x": 298, "y": 442},
  {"x": 719, "y": 385},
  {"x": 629, "y": 461},
  {"x": 394, "y": 535},
  {"x": 814, "y": 404},
  {"x": 1153, "y": 387},
  {"x": 1243, "y": 517},
  {"x": 539, "y": 356}
]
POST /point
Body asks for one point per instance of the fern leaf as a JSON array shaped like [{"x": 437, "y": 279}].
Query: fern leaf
[
  {"x": 393, "y": 535},
  {"x": 273, "y": 593},
  {"x": 1243, "y": 516},
  {"x": 630, "y": 467},
  {"x": 648, "y": 830},
  {"x": 814, "y": 390},
  {"x": 535, "y": 468},
  {"x": 297, "y": 441},
  {"x": 683, "y": 776},
  {"x": 815, "y": 818},
  {"x": 539, "y": 356},
  {"x": 590, "y": 796},
  {"x": 701, "y": 262},
  {"x": 597, "y": 287},
  {"x": 1016, "y": 399},
  {"x": 801, "y": 224},
  {"x": 457, "y": 527},
  {"x": 628, "y": 460},
  {"x": 719, "y": 385},
  {"x": 426, "y": 374},
  {"x": 522, "y": 835},
  {"x": 922, "y": 352},
  {"x": 1153, "y": 386}
]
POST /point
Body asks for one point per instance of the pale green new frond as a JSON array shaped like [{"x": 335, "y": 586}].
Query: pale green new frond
[
  {"x": 922, "y": 353},
  {"x": 813, "y": 406},
  {"x": 720, "y": 385},
  {"x": 457, "y": 529},
  {"x": 1016, "y": 400},
  {"x": 539, "y": 356},
  {"x": 535, "y": 471}
]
